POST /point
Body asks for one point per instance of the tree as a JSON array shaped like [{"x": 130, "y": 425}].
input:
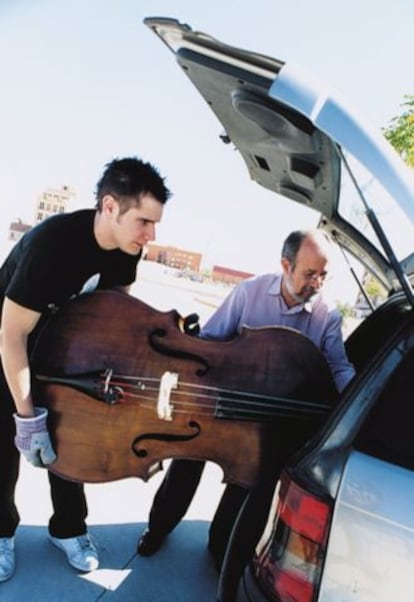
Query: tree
[
  {"x": 400, "y": 132},
  {"x": 374, "y": 289}
]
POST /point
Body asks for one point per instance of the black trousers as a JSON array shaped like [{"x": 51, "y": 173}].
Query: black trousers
[
  {"x": 248, "y": 528},
  {"x": 235, "y": 528},
  {"x": 68, "y": 498},
  {"x": 174, "y": 496},
  {"x": 241, "y": 515}
]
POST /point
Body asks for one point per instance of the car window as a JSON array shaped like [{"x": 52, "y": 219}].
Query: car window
[
  {"x": 388, "y": 430},
  {"x": 399, "y": 229},
  {"x": 375, "y": 330}
]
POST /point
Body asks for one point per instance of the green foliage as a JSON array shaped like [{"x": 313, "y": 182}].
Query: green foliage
[
  {"x": 344, "y": 309},
  {"x": 374, "y": 290},
  {"x": 400, "y": 132}
]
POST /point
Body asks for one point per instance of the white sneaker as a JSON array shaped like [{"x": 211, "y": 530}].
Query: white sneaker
[
  {"x": 7, "y": 558},
  {"x": 80, "y": 551}
]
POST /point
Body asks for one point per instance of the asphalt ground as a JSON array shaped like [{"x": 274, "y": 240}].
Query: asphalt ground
[{"x": 181, "y": 571}]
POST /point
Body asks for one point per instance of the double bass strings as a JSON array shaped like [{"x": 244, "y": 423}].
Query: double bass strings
[{"x": 187, "y": 398}]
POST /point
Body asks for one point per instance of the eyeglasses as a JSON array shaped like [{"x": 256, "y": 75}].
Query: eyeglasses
[{"x": 309, "y": 276}]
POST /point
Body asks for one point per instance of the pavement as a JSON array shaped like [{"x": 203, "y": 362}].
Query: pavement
[{"x": 181, "y": 571}]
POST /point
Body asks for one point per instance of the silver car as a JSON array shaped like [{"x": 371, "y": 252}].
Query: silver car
[{"x": 340, "y": 526}]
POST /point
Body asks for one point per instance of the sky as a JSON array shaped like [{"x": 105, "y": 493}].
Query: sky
[{"x": 84, "y": 82}]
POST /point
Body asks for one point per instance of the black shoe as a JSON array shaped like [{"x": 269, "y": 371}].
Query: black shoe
[{"x": 149, "y": 543}]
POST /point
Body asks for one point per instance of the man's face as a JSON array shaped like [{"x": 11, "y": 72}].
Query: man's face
[
  {"x": 305, "y": 279},
  {"x": 133, "y": 229}
]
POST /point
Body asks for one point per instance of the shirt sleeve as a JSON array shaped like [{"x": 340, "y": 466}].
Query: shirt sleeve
[
  {"x": 36, "y": 282},
  {"x": 225, "y": 322},
  {"x": 334, "y": 351}
]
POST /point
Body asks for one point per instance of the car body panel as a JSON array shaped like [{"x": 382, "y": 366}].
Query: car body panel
[
  {"x": 300, "y": 140},
  {"x": 370, "y": 544},
  {"x": 371, "y": 548},
  {"x": 291, "y": 131},
  {"x": 330, "y": 114}
]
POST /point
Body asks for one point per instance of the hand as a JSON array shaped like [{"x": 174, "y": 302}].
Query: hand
[{"x": 32, "y": 438}]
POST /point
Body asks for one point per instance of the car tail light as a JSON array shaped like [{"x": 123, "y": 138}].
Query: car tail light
[{"x": 290, "y": 555}]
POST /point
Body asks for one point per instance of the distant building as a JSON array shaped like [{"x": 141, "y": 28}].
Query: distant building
[
  {"x": 52, "y": 201},
  {"x": 17, "y": 229},
  {"x": 228, "y": 276},
  {"x": 174, "y": 257}
]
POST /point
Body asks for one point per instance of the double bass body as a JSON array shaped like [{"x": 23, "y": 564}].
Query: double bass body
[{"x": 103, "y": 364}]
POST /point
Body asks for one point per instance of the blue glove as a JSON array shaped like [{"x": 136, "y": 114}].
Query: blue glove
[{"x": 32, "y": 438}]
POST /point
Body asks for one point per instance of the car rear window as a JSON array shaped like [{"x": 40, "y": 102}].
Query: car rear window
[{"x": 387, "y": 432}]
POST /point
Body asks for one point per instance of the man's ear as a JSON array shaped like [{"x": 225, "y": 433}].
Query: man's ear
[
  {"x": 285, "y": 265},
  {"x": 109, "y": 204}
]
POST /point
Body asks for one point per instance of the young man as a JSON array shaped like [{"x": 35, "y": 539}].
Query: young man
[
  {"x": 50, "y": 264},
  {"x": 290, "y": 299}
]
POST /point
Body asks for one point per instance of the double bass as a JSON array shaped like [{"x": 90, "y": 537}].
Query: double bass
[{"x": 126, "y": 389}]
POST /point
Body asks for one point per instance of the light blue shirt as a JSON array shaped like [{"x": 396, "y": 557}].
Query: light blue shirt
[{"x": 258, "y": 302}]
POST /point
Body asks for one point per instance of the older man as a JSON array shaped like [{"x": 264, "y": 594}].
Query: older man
[{"x": 292, "y": 299}]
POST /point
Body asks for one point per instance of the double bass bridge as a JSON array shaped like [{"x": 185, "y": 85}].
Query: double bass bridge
[{"x": 168, "y": 381}]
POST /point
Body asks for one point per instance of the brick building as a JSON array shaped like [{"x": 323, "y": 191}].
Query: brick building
[
  {"x": 50, "y": 202},
  {"x": 228, "y": 276},
  {"x": 174, "y": 257},
  {"x": 17, "y": 229}
]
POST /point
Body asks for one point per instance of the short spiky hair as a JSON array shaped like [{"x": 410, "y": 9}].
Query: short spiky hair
[{"x": 127, "y": 179}]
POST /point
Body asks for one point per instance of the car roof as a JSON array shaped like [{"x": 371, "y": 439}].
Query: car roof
[{"x": 291, "y": 130}]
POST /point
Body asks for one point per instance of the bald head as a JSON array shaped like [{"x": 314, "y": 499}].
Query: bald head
[
  {"x": 305, "y": 258},
  {"x": 311, "y": 239}
]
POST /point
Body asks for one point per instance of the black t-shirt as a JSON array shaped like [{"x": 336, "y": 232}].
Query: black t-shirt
[{"x": 53, "y": 261}]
